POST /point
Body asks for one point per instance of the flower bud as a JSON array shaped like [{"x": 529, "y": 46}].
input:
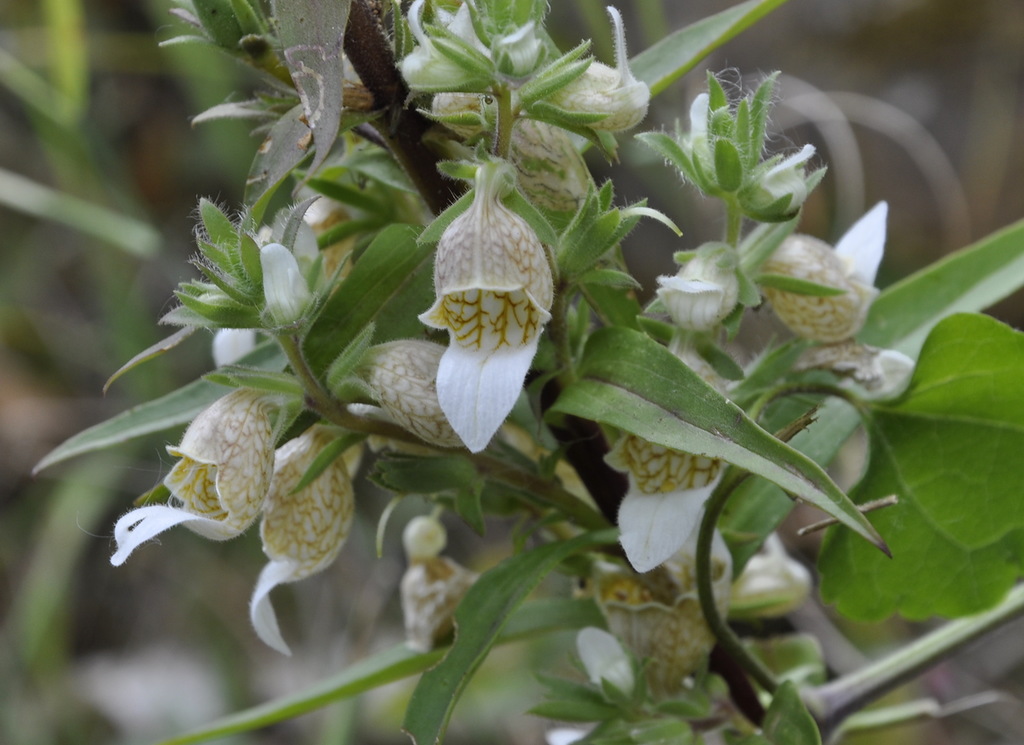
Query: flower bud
[
  {"x": 424, "y": 538},
  {"x": 231, "y": 345},
  {"x": 771, "y": 584},
  {"x": 285, "y": 289},
  {"x": 302, "y": 531},
  {"x": 614, "y": 92},
  {"x": 851, "y": 267},
  {"x": 402, "y": 377},
  {"x": 604, "y": 659},
  {"x": 780, "y": 191},
  {"x": 427, "y": 69},
  {"x": 432, "y": 586},
  {"x": 704, "y": 291},
  {"x": 516, "y": 54}
]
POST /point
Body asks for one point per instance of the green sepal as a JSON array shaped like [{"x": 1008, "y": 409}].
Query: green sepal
[
  {"x": 327, "y": 455},
  {"x": 433, "y": 232},
  {"x": 218, "y": 226},
  {"x": 523, "y": 207},
  {"x": 219, "y": 22},
  {"x": 237, "y": 376},
  {"x": 555, "y": 76},
  {"x": 728, "y": 166},
  {"x": 350, "y": 358}
]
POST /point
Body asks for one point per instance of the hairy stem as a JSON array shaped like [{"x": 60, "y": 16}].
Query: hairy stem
[
  {"x": 832, "y": 702},
  {"x": 726, "y": 637}
]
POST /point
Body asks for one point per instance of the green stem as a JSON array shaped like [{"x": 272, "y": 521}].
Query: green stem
[
  {"x": 725, "y": 636},
  {"x": 733, "y": 221},
  {"x": 506, "y": 120},
  {"x": 832, "y": 702}
]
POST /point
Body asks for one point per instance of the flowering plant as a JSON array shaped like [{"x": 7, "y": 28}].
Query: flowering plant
[{"x": 428, "y": 291}]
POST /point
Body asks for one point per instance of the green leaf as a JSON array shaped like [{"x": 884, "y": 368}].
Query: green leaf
[
  {"x": 540, "y": 617},
  {"x": 285, "y": 146},
  {"x": 797, "y": 286},
  {"x": 219, "y": 228},
  {"x": 969, "y": 280},
  {"x": 678, "y": 53},
  {"x": 390, "y": 279},
  {"x": 311, "y": 33},
  {"x": 478, "y": 621},
  {"x": 631, "y": 382},
  {"x": 132, "y": 236},
  {"x": 414, "y": 474},
  {"x": 787, "y": 721},
  {"x": 150, "y": 353},
  {"x": 171, "y": 410},
  {"x": 950, "y": 449}
]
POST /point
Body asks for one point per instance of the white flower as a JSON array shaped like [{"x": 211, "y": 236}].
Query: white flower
[
  {"x": 604, "y": 659},
  {"x": 658, "y": 615},
  {"x": 219, "y": 485},
  {"x": 432, "y": 585},
  {"x": 230, "y": 345},
  {"x": 665, "y": 501},
  {"x": 426, "y": 68},
  {"x": 285, "y": 289},
  {"x": 851, "y": 267},
  {"x": 494, "y": 290},
  {"x": 787, "y": 179},
  {"x": 303, "y": 531},
  {"x": 772, "y": 584},
  {"x": 704, "y": 291},
  {"x": 613, "y": 91},
  {"x": 402, "y": 377}
]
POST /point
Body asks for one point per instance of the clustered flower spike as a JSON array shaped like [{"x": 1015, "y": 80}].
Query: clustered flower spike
[
  {"x": 219, "y": 485},
  {"x": 613, "y": 91},
  {"x": 851, "y": 267},
  {"x": 302, "y": 531},
  {"x": 494, "y": 290},
  {"x": 426, "y": 68}
]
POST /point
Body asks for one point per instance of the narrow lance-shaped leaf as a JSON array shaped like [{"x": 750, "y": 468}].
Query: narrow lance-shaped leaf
[
  {"x": 312, "y": 32},
  {"x": 631, "y": 382},
  {"x": 540, "y": 617},
  {"x": 678, "y": 53},
  {"x": 171, "y": 410}
]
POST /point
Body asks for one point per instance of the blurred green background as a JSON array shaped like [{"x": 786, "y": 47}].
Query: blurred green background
[{"x": 100, "y": 172}]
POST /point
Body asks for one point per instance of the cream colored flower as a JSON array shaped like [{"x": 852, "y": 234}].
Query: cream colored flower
[
  {"x": 432, "y": 586},
  {"x": 402, "y": 376},
  {"x": 851, "y": 267},
  {"x": 219, "y": 485},
  {"x": 613, "y": 91},
  {"x": 665, "y": 501},
  {"x": 704, "y": 291},
  {"x": 658, "y": 615},
  {"x": 303, "y": 531},
  {"x": 494, "y": 290}
]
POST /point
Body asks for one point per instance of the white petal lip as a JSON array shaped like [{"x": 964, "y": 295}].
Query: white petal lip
[
  {"x": 138, "y": 526},
  {"x": 261, "y": 612},
  {"x": 477, "y": 390},
  {"x": 652, "y": 527},
  {"x": 603, "y": 658},
  {"x": 284, "y": 287},
  {"x": 863, "y": 244},
  {"x": 230, "y": 345}
]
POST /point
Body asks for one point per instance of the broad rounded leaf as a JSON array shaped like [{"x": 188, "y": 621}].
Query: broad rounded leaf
[{"x": 950, "y": 449}]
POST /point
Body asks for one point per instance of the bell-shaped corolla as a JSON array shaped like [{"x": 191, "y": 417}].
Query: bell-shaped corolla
[
  {"x": 220, "y": 483},
  {"x": 303, "y": 529},
  {"x": 494, "y": 290}
]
